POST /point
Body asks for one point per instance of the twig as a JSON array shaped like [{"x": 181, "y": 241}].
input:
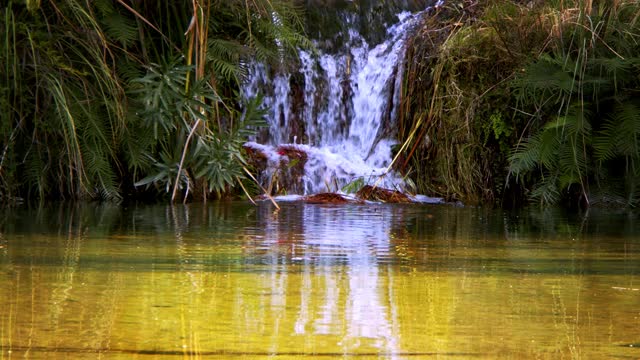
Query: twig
[
  {"x": 263, "y": 189},
  {"x": 245, "y": 190},
  {"x": 184, "y": 154}
]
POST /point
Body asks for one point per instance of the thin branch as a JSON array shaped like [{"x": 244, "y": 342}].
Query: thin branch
[
  {"x": 263, "y": 189},
  {"x": 184, "y": 154}
]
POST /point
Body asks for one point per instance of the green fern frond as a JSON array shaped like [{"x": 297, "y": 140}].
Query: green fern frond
[
  {"x": 263, "y": 51},
  {"x": 572, "y": 165},
  {"x": 136, "y": 145},
  {"x": 227, "y": 71},
  {"x": 104, "y": 7},
  {"x": 545, "y": 75},
  {"x": 606, "y": 142},
  {"x": 226, "y": 49},
  {"x": 561, "y": 149},
  {"x": 526, "y": 156},
  {"x": 35, "y": 172},
  {"x": 546, "y": 192},
  {"x": 120, "y": 28},
  {"x": 550, "y": 141},
  {"x": 620, "y": 134},
  {"x": 98, "y": 150},
  {"x": 224, "y": 58},
  {"x": 102, "y": 179},
  {"x": 129, "y": 70}
]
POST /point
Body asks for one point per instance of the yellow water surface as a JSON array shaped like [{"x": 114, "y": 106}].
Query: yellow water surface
[{"x": 234, "y": 281}]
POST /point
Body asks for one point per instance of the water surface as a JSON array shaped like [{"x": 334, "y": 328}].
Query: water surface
[{"x": 236, "y": 281}]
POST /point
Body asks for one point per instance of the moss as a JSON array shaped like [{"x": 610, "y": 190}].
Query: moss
[
  {"x": 483, "y": 77},
  {"x": 457, "y": 120}
]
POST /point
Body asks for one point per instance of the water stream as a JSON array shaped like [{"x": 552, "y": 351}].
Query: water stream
[{"x": 344, "y": 118}]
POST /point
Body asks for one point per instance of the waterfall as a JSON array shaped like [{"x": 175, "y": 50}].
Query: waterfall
[{"x": 338, "y": 109}]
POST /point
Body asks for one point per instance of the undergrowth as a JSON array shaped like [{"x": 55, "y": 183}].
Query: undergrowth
[{"x": 506, "y": 100}]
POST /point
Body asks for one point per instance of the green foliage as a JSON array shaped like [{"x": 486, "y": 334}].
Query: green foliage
[
  {"x": 119, "y": 27},
  {"x": 617, "y": 152},
  {"x": 267, "y": 30},
  {"x": 559, "y": 151},
  {"x": 61, "y": 97},
  {"x": 548, "y": 92},
  {"x": 585, "y": 121},
  {"x": 165, "y": 172},
  {"x": 499, "y": 129},
  {"x": 224, "y": 58},
  {"x": 163, "y": 100},
  {"x": 172, "y": 113},
  {"x": 619, "y": 134},
  {"x": 454, "y": 121},
  {"x": 353, "y": 186},
  {"x": 96, "y": 97}
]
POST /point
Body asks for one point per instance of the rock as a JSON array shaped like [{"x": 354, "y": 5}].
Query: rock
[
  {"x": 327, "y": 198},
  {"x": 373, "y": 193},
  {"x": 280, "y": 169}
]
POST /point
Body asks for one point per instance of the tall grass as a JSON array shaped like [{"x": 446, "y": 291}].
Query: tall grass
[
  {"x": 504, "y": 100},
  {"x": 455, "y": 120},
  {"x": 61, "y": 98},
  {"x": 201, "y": 147},
  {"x": 583, "y": 147},
  {"x": 97, "y": 97}
]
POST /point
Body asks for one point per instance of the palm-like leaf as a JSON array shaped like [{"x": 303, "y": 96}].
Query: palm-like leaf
[
  {"x": 69, "y": 128},
  {"x": 559, "y": 151},
  {"x": 620, "y": 133}
]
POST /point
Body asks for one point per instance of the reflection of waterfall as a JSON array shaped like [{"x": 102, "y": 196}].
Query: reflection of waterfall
[
  {"x": 346, "y": 108},
  {"x": 344, "y": 288},
  {"x": 337, "y": 237}
]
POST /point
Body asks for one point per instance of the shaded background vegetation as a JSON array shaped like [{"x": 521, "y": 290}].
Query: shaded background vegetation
[
  {"x": 329, "y": 21},
  {"x": 525, "y": 100},
  {"x": 503, "y": 101},
  {"x": 98, "y": 96}
]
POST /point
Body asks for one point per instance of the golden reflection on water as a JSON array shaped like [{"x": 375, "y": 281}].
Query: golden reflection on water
[{"x": 380, "y": 282}]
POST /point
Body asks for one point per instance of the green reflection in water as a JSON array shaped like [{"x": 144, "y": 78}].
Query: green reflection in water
[{"x": 229, "y": 280}]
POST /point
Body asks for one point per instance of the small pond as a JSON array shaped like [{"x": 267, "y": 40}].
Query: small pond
[{"x": 377, "y": 281}]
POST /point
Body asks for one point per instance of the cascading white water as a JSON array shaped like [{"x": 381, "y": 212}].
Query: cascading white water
[{"x": 349, "y": 98}]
